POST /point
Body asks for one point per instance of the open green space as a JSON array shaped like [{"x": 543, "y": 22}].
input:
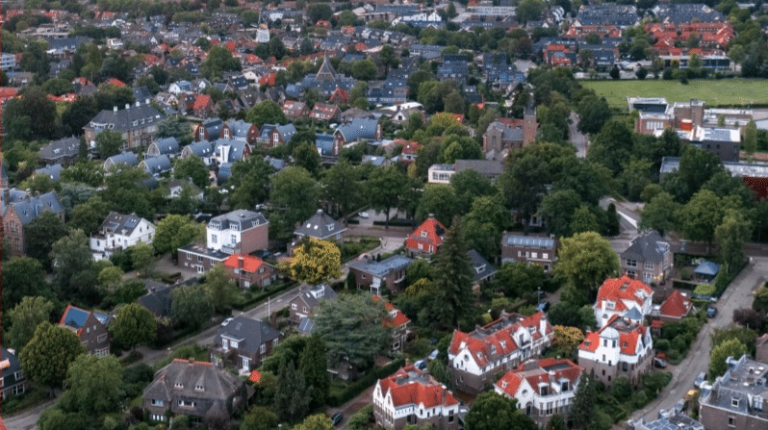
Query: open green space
[{"x": 739, "y": 92}]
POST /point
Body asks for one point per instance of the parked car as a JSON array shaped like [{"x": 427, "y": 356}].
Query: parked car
[
  {"x": 226, "y": 321},
  {"x": 336, "y": 418},
  {"x": 363, "y": 215},
  {"x": 433, "y": 355},
  {"x": 711, "y": 311},
  {"x": 661, "y": 364},
  {"x": 700, "y": 378},
  {"x": 421, "y": 364},
  {"x": 542, "y": 307}
]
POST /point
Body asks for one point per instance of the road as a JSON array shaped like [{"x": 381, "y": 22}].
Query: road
[{"x": 579, "y": 140}]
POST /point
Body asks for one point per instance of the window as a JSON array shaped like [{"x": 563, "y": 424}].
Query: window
[
  {"x": 631, "y": 263},
  {"x": 545, "y": 255},
  {"x": 274, "y": 342},
  {"x": 648, "y": 266},
  {"x": 178, "y": 385},
  {"x": 294, "y": 306},
  {"x": 534, "y": 255},
  {"x": 423, "y": 233},
  {"x": 199, "y": 388},
  {"x": 263, "y": 348},
  {"x": 731, "y": 422},
  {"x": 234, "y": 239},
  {"x": 603, "y": 357},
  {"x": 234, "y": 343},
  {"x": 199, "y": 258},
  {"x": 214, "y": 238},
  {"x": 102, "y": 338},
  {"x": 735, "y": 403},
  {"x": 18, "y": 375},
  {"x": 157, "y": 402}
]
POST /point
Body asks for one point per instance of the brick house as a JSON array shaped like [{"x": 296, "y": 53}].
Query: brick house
[
  {"x": 542, "y": 387},
  {"x": 541, "y": 251},
  {"x": 359, "y": 129},
  {"x": 295, "y": 110},
  {"x": 306, "y": 301},
  {"x": 737, "y": 399},
  {"x": 90, "y": 327},
  {"x": 475, "y": 358},
  {"x": 619, "y": 296},
  {"x": 274, "y": 135},
  {"x": 412, "y": 397},
  {"x": 12, "y": 381},
  {"x": 19, "y": 209},
  {"x": 397, "y": 323},
  {"x": 649, "y": 257},
  {"x": 621, "y": 347},
  {"x": 247, "y": 341},
  {"x": 137, "y": 125},
  {"x": 240, "y": 130},
  {"x": 427, "y": 238},
  {"x": 373, "y": 274},
  {"x": 208, "y": 130},
  {"x": 240, "y": 231},
  {"x": 325, "y": 112},
  {"x": 63, "y": 151},
  {"x": 197, "y": 389},
  {"x": 248, "y": 270}
]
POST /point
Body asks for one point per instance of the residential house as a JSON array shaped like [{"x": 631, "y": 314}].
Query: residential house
[
  {"x": 619, "y": 296},
  {"x": 119, "y": 232},
  {"x": 736, "y": 399},
  {"x": 158, "y": 299},
  {"x": 63, "y": 151},
  {"x": 250, "y": 271},
  {"x": 673, "y": 309},
  {"x": 137, "y": 125},
  {"x": 275, "y": 134},
  {"x": 506, "y": 133},
  {"x": 621, "y": 347},
  {"x": 441, "y": 173},
  {"x": 247, "y": 341},
  {"x": 414, "y": 397},
  {"x": 168, "y": 146},
  {"x": 305, "y": 303},
  {"x": 127, "y": 158},
  {"x": 53, "y": 171},
  {"x": 539, "y": 250},
  {"x": 649, "y": 257},
  {"x": 325, "y": 112},
  {"x": 240, "y": 130},
  {"x": 388, "y": 273},
  {"x": 295, "y": 110},
  {"x": 397, "y": 323},
  {"x": 197, "y": 389},
  {"x": 90, "y": 327},
  {"x": 230, "y": 150},
  {"x": 320, "y": 226},
  {"x": 202, "y": 106},
  {"x": 427, "y": 238},
  {"x": 672, "y": 420},
  {"x": 621, "y": 16},
  {"x": 202, "y": 149},
  {"x": 475, "y": 358},
  {"x": 13, "y": 381},
  {"x": 240, "y": 231},
  {"x": 180, "y": 87},
  {"x": 482, "y": 270},
  {"x": 156, "y": 166},
  {"x": 208, "y": 130},
  {"x": 19, "y": 209},
  {"x": 410, "y": 150},
  {"x": 325, "y": 145},
  {"x": 358, "y": 130},
  {"x": 542, "y": 387}
]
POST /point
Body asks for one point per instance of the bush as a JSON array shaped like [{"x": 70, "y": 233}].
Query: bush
[
  {"x": 640, "y": 399},
  {"x": 704, "y": 289},
  {"x": 662, "y": 345},
  {"x": 686, "y": 274},
  {"x": 336, "y": 399}
]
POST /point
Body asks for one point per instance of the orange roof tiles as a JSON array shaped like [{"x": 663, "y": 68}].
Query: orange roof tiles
[
  {"x": 429, "y": 233},
  {"x": 250, "y": 263},
  {"x": 201, "y": 101},
  {"x": 427, "y": 393},
  {"x": 620, "y": 289},
  {"x": 628, "y": 337},
  {"x": 677, "y": 305},
  {"x": 537, "y": 372}
]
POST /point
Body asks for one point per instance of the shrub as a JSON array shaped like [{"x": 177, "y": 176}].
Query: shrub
[
  {"x": 679, "y": 343},
  {"x": 704, "y": 289},
  {"x": 686, "y": 274},
  {"x": 662, "y": 345},
  {"x": 640, "y": 399}
]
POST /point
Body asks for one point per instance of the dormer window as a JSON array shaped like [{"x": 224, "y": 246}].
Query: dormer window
[
  {"x": 178, "y": 385},
  {"x": 735, "y": 402},
  {"x": 423, "y": 233},
  {"x": 330, "y": 227}
]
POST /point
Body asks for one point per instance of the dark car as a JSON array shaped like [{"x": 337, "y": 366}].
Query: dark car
[
  {"x": 661, "y": 364},
  {"x": 711, "y": 311},
  {"x": 336, "y": 418}
]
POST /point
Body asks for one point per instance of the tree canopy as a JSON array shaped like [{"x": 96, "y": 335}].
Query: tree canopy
[
  {"x": 134, "y": 325},
  {"x": 48, "y": 355},
  {"x": 314, "y": 261}
]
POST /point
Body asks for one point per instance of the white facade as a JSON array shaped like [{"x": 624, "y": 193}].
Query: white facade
[
  {"x": 440, "y": 174},
  {"x": 7, "y": 62},
  {"x": 224, "y": 237},
  {"x": 108, "y": 240},
  {"x": 609, "y": 351}
]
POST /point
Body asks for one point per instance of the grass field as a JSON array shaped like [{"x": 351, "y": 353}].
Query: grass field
[{"x": 712, "y": 92}]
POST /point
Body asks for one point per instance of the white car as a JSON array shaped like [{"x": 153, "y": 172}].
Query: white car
[
  {"x": 226, "y": 321},
  {"x": 363, "y": 215}
]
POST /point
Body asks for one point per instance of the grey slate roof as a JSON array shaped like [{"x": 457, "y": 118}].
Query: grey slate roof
[
  {"x": 744, "y": 380},
  {"x": 240, "y": 128},
  {"x": 381, "y": 268},
  {"x": 53, "y": 171},
  {"x": 249, "y": 333},
  {"x": 213, "y": 127},
  {"x": 202, "y": 148},
  {"x": 9, "y": 372},
  {"x": 320, "y": 226},
  {"x": 30, "y": 208},
  {"x": 57, "y": 149},
  {"x": 133, "y": 118},
  {"x": 233, "y": 148},
  {"x": 287, "y": 131},
  {"x": 118, "y": 222},
  {"x": 243, "y": 219},
  {"x": 128, "y": 158},
  {"x": 158, "y": 301},
  {"x": 619, "y": 15},
  {"x": 677, "y": 13},
  {"x": 168, "y": 145},
  {"x": 359, "y": 128},
  {"x": 314, "y": 295},
  {"x": 649, "y": 247},
  {"x": 157, "y": 165},
  {"x": 481, "y": 268}
]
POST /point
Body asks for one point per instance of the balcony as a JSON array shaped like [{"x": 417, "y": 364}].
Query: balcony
[{"x": 228, "y": 249}]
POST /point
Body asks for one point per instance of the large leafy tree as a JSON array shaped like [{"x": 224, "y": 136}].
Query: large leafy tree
[
  {"x": 291, "y": 396},
  {"x": 266, "y": 112},
  {"x": 134, "y": 325},
  {"x": 729, "y": 348},
  {"x": 385, "y": 187},
  {"x": 314, "y": 367},
  {"x": 439, "y": 200},
  {"x": 73, "y": 257},
  {"x": 314, "y": 261},
  {"x": 470, "y": 184},
  {"x": 218, "y": 61},
  {"x": 260, "y": 418},
  {"x": 191, "y": 168},
  {"x": 175, "y": 231},
  {"x": 250, "y": 177},
  {"x": 453, "y": 277},
  {"x": 567, "y": 339},
  {"x": 296, "y": 191},
  {"x": 48, "y": 355},
  {"x": 352, "y": 329},
  {"x": 584, "y": 402},
  {"x": 25, "y": 317},
  {"x": 493, "y": 411},
  {"x": 108, "y": 143},
  {"x": 315, "y": 422},
  {"x": 23, "y": 276},
  {"x": 484, "y": 225},
  {"x": 612, "y": 145},
  {"x": 519, "y": 278},
  {"x": 175, "y": 126},
  {"x": 126, "y": 192},
  {"x": 700, "y": 216},
  {"x": 94, "y": 385},
  {"x": 659, "y": 213},
  {"x": 585, "y": 260},
  {"x": 41, "y": 233},
  {"x": 342, "y": 186},
  {"x": 559, "y": 208},
  {"x": 731, "y": 235},
  {"x": 221, "y": 289},
  {"x": 190, "y": 306},
  {"x": 31, "y": 117}
]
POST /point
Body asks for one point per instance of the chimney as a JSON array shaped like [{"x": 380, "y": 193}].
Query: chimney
[
  {"x": 127, "y": 106},
  {"x": 114, "y": 109},
  {"x": 138, "y": 103}
]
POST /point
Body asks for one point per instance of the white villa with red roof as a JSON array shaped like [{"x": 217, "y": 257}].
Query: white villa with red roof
[
  {"x": 620, "y": 296},
  {"x": 476, "y": 357},
  {"x": 427, "y": 238},
  {"x": 621, "y": 347},
  {"x": 410, "y": 396},
  {"x": 542, "y": 387}
]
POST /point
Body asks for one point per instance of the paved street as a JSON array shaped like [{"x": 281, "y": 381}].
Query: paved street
[{"x": 579, "y": 140}]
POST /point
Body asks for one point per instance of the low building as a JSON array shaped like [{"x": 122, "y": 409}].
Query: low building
[
  {"x": 305, "y": 303},
  {"x": 441, "y": 173},
  {"x": 539, "y": 250},
  {"x": 737, "y": 399},
  {"x": 248, "y": 271},
  {"x": 119, "y": 232},
  {"x": 675, "y": 420},
  {"x": 13, "y": 381},
  {"x": 621, "y": 347},
  {"x": 295, "y": 110},
  {"x": 620, "y": 296},
  {"x": 168, "y": 146},
  {"x": 398, "y": 325},
  {"x": 482, "y": 269},
  {"x": 427, "y": 239},
  {"x": 19, "y": 209},
  {"x": 388, "y": 273},
  {"x": 476, "y": 358},
  {"x": 90, "y": 327},
  {"x": 649, "y": 257},
  {"x": 244, "y": 342},
  {"x": 676, "y": 307},
  {"x": 413, "y": 397},
  {"x": 542, "y": 387},
  {"x": 196, "y": 389}
]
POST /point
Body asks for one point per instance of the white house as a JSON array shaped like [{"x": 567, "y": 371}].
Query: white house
[
  {"x": 440, "y": 173},
  {"x": 621, "y": 347},
  {"x": 542, "y": 387},
  {"x": 620, "y": 297},
  {"x": 119, "y": 232}
]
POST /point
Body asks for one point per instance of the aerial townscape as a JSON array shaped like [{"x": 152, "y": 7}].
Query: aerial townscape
[{"x": 384, "y": 214}]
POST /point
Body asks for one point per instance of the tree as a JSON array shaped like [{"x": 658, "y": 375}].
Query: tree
[
  {"x": 737, "y": 54},
  {"x": 109, "y": 278},
  {"x": 493, "y": 411},
  {"x": 519, "y": 278},
  {"x": 750, "y": 138},
  {"x": 558, "y": 208},
  {"x": 593, "y": 114},
  {"x": 731, "y": 235},
  {"x": 143, "y": 258},
  {"x": 94, "y": 385},
  {"x": 218, "y": 61},
  {"x": 743, "y": 334},
  {"x": 259, "y": 418},
  {"x": 175, "y": 231},
  {"x": 615, "y": 73},
  {"x": 761, "y": 299},
  {"x": 388, "y": 57},
  {"x": 439, "y": 200},
  {"x": 364, "y": 70},
  {"x": 470, "y": 184},
  {"x": 305, "y": 155},
  {"x": 612, "y": 145},
  {"x": 315, "y": 422},
  {"x": 221, "y": 289},
  {"x": 108, "y": 143},
  {"x": 342, "y": 186},
  {"x": 190, "y": 306},
  {"x": 192, "y": 168},
  {"x": 31, "y": 117},
  {"x": 250, "y": 177},
  {"x": 641, "y": 73},
  {"x": 567, "y": 339},
  {"x": 73, "y": 256},
  {"x": 583, "y": 410},
  {"x": 385, "y": 188},
  {"x": 659, "y": 214},
  {"x": 40, "y": 235},
  {"x": 557, "y": 422},
  {"x": 484, "y": 224},
  {"x": 585, "y": 260},
  {"x": 314, "y": 367},
  {"x": 584, "y": 220},
  {"x": 696, "y": 167},
  {"x": 55, "y": 419},
  {"x": 701, "y": 216},
  {"x": 352, "y": 329},
  {"x": 47, "y": 356},
  {"x": 134, "y": 325},
  {"x": 530, "y": 10},
  {"x": 25, "y": 317},
  {"x": 126, "y": 191},
  {"x": 453, "y": 277},
  {"x": 266, "y": 112},
  {"x": 22, "y": 276},
  {"x": 289, "y": 350},
  {"x": 291, "y": 397},
  {"x": 729, "y": 348},
  {"x": 295, "y": 190},
  {"x": 314, "y": 261}
]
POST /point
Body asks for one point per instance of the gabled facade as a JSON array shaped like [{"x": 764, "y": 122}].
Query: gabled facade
[
  {"x": 250, "y": 341},
  {"x": 357, "y": 130},
  {"x": 325, "y": 112},
  {"x": 617, "y": 297},
  {"x": 248, "y": 270},
  {"x": 119, "y": 232},
  {"x": 397, "y": 324},
  {"x": 12, "y": 382},
  {"x": 156, "y": 166},
  {"x": 542, "y": 387},
  {"x": 427, "y": 239},
  {"x": 202, "y": 149},
  {"x": 127, "y": 158},
  {"x": 475, "y": 358},
  {"x": 136, "y": 124},
  {"x": 19, "y": 209},
  {"x": 649, "y": 258},
  {"x": 413, "y": 397},
  {"x": 240, "y": 130},
  {"x": 90, "y": 327},
  {"x": 295, "y": 110},
  {"x": 303, "y": 304},
  {"x": 621, "y": 347},
  {"x": 168, "y": 146},
  {"x": 736, "y": 400},
  {"x": 676, "y": 307},
  {"x": 63, "y": 151},
  {"x": 208, "y": 130},
  {"x": 320, "y": 226}
]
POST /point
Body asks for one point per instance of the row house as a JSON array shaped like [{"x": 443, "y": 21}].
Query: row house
[
  {"x": 119, "y": 232},
  {"x": 12, "y": 380},
  {"x": 325, "y": 112},
  {"x": 156, "y": 166},
  {"x": 274, "y": 135},
  {"x": 475, "y": 358},
  {"x": 137, "y": 125},
  {"x": 294, "y": 110},
  {"x": 737, "y": 399},
  {"x": 202, "y": 149},
  {"x": 541, "y": 251},
  {"x": 620, "y": 296},
  {"x": 621, "y": 347},
  {"x": 168, "y": 146},
  {"x": 542, "y": 387}
]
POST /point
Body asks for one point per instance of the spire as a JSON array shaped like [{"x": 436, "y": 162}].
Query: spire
[{"x": 326, "y": 72}]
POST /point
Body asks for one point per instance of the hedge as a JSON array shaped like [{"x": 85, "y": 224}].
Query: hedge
[
  {"x": 338, "y": 399},
  {"x": 683, "y": 285},
  {"x": 396, "y": 223}
]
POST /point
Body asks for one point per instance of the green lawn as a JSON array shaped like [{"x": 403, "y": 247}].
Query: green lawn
[{"x": 712, "y": 92}]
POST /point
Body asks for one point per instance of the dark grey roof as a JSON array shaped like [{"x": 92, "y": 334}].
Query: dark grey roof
[
  {"x": 158, "y": 299},
  {"x": 133, "y": 118},
  {"x": 53, "y": 171},
  {"x": 381, "y": 268},
  {"x": 677, "y": 13},
  {"x": 213, "y": 127},
  {"x": 128, "y": 158},
  {"x": 117, "y": 222},
  {"x": 240, "y": 128},
  {"x": 232, "y": 148},
  {"x": 157, "y": 165},
  {"x": 249, "y": 333},
  {"x": 167, "y": 146},
  {"x": 359, "y": 128},
  {"x": 679, "y": 421},
  {"x": 619, "y": 15},
  {"x": 241, "y": 218},
  {"x": 481, "y": 268},
  {"x": 203, "y": 148},
  {"x": 649, "y": 247},
  {"x": 744, "y": 380},
  {"x": 141, "y": 93},
  {"x": 31, "y": 207},
  {"x": 57, "y": 149},
  {"x": 320, "y": 226},
  {"x": 486, "y": 167},
  {"x": 314, "y": 295},
  {"x": 9, "y": 372}
]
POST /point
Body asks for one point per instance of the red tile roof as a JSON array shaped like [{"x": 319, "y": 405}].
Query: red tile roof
[
  {"x": 410, "y": 148},
  {"x": 537, "y": 372},
  {"x": 250, "y": 263},
  {"x": 676, "y": 305},
  {"x": 623, "y": 288},
  {"x": 2, "y": 425},
  {"x": 429, "y": 233},
  {"x": 427, "y": 393},
  {"x": 201, "y": 101},
  {"x": 116, "y": 82},
  {"x": 629, "y": 336},
  {"x": 397, "y": 317}
]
